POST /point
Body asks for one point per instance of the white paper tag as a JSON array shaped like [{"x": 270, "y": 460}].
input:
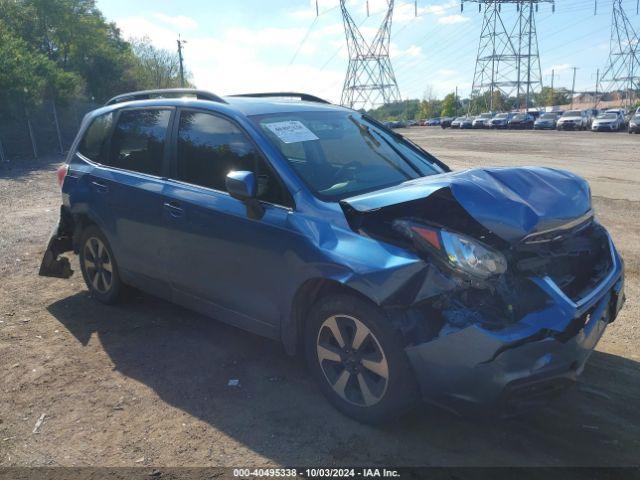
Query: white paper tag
[{"x": 291, "y": 131}]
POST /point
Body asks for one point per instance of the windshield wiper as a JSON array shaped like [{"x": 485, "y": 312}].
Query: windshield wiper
[{"x": 391, "y": 145}]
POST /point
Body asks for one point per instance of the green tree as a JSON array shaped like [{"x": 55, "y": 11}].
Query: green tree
[
  {"x": 74, "y": 35},
  {"x": 27, "y": 76},
  {"x": 156, "y": 67},
  {"x": 450, "y": 105},
  {"x": 549, "y": 97}
]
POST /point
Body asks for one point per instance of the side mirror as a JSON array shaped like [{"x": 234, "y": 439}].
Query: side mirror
[{"x": 241, "y": 185}]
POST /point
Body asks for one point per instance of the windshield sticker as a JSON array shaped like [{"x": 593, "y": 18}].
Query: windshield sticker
[{"x": 291, "y": 131}]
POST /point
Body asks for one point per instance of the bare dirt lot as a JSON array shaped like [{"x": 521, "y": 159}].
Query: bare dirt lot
[{"x": 145, "y": 383}]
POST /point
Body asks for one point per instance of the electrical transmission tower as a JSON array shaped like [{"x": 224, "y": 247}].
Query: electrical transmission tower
[
  {"x": 370, "y": 80},
  {"x": 622, "y": 73},
  {"x": 508, "y": 63}
]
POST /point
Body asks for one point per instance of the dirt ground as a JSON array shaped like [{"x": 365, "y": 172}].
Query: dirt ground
[{"x": 145, "y": 383}]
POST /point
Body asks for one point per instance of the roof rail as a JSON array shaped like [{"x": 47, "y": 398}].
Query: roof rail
[
  {"x": 305, "y": 97},
  {"x": 165, "y": 93}
]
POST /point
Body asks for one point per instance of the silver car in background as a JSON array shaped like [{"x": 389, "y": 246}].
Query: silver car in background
[
  {"x": 573, "y": 120},
  {"x": 610, "y": 121},
  {"x": 483, "y": 120},
  {"x": 546, "y": 121}
]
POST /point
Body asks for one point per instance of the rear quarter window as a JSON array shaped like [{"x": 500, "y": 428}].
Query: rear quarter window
[{"x": 94, "y": 143}]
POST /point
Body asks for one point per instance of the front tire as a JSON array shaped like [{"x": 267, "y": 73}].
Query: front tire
[
  {"x": 358, "y": 359},
  {"x": 99, "y": 267}
]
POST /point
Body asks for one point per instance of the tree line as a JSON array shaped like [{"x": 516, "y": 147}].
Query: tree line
[
  {"x": 450, "y": 105},
  {"x": 64, "y": 49}
]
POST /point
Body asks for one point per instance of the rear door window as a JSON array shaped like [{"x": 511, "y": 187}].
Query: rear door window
[
  {"x": 138, "y": 141},
  {"x": 94, "y": 144}
]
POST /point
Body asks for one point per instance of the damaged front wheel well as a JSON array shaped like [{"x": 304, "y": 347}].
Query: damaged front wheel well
[{"x": 305, "y": 297}]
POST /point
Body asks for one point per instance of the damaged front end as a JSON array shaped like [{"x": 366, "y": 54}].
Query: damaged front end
[{"x": 517, "y": 287}]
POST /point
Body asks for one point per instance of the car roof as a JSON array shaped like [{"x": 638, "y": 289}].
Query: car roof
[{"x": 252, "y": 104}]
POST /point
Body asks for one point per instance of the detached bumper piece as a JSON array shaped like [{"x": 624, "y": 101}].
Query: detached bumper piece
[
  {"x": 526, "y": 363},
  {"x": 60, "y": 241}
]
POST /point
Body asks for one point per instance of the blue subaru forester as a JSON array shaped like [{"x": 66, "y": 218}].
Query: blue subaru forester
[{"x": 315, "y": 225}]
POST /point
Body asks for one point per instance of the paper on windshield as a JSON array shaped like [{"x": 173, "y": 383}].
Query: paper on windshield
[{"x": 291, "y": 131}]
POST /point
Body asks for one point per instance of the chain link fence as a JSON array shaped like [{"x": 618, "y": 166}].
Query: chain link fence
[{"x": 48, "y": 129}]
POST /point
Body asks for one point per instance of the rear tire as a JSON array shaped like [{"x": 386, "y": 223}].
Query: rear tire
[
  {"x": 358, "y": 359},
  {"x": 99, "y": 267}
]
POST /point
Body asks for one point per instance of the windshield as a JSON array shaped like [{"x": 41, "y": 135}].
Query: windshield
[
  {"x": 573, "y": 113},
  {"x": 520, "y": 117},
  {"x": 460, "y": 119},
  {"x": 608, "y": 116},
  {"x": 340, "y": 154},
  {"x": 637, "y": 117},
  {"x": 485, "y": 115},
  {"x": 548, "y": 116},
  {"x": 502, "y": 115}
]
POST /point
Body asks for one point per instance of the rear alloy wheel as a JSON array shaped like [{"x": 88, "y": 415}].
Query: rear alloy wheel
[
  {"x": 358, "y": 359},
  {"x": 98, "y": 266}
]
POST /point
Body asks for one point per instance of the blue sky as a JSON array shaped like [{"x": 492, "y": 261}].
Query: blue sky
[{"x": 257, "y": 45}]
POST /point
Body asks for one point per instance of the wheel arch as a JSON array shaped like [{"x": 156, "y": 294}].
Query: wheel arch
[{"x": 307, "y": 294}]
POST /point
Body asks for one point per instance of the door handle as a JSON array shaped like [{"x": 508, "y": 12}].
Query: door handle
[
  {"x": 174, "y": 209},
  {"x": 100, "y": 187}
]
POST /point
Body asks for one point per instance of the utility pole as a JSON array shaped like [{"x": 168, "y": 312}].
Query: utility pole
[
  {"x": 595, "y": 99},
  {"x": 573, "y": 86},
  {"x": 456, "y": 102},
  {"x": 553, "y": 77},
  {"x": 180, "y": 43}
]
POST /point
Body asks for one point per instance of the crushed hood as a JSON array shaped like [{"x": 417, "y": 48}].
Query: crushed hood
[{"x": 510, "y": 202}]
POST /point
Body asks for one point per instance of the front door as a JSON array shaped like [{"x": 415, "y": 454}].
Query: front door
[{"x": 217, "y": 255}]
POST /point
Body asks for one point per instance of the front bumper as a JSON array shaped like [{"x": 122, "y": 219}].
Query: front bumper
[
  {"x": 568, "y": 126},
  {"x": 603, "y": 128},
  {"x": 522, "y": 365}
]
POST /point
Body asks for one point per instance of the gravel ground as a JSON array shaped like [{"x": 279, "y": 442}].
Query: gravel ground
[{"x": 145, "y": 383}]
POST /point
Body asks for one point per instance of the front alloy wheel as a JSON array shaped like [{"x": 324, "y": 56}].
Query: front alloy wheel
[
  {"x": 352, "y": 360},
  {"x": 358, "y": 358}
]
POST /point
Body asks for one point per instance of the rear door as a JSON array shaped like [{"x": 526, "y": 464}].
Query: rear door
[
  {"x": 221, "y": 261},
  {"x": 129, "y": 186}
]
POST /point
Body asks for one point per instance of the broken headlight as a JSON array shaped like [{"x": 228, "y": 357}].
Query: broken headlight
[
  {"x": 459, "y": 252},
  {"x": 471, "y": 256}
]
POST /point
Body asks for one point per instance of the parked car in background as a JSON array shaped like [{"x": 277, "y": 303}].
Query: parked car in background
[
  {"x": 572, "y": 120},
  {"x": 395, "y": 124},
  {"x": 482, "y": 120},
  {"x": 445, "y": 122},
  {"x": 466, "y": 122},
  {"x": 317, "y": 227},
  {"x": 501, "y": 120},
  {"x": 433, "y": 122},
  {"x": 634, "y": 123},
  {"x": 546, "y": 121},
  {"x": 610, "y": 121},
  {"x": 456, "y": 123},
  {"x": 521, "y": 121},
  {"x": 592, "y": 114}
]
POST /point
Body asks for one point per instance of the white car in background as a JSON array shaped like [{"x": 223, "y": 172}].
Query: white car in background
[
  {"x": 573, "y": 120},
  {"x": 609, "y": 121}
]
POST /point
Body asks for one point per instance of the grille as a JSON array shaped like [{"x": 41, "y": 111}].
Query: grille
[{"x": 576, "y": 260}]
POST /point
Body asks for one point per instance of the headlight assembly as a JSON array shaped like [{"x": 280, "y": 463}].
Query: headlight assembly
[{"x": 459, "y": 252}]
